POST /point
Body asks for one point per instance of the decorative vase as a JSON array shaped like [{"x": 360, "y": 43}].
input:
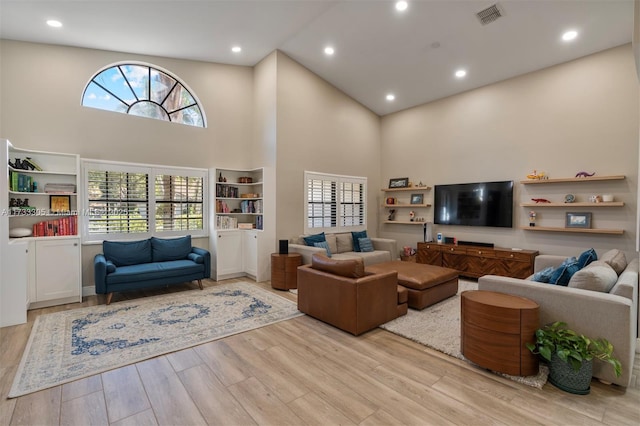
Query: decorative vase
[{"x": 564, "y": 377}]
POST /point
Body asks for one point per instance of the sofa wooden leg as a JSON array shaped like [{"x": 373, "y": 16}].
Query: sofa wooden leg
[
  {"x": 109, "y": 296},
  {"x": 200, "y": 284}
]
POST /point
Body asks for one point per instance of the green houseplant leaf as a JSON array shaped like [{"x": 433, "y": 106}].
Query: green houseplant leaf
[{"x": 571, "y": 347}]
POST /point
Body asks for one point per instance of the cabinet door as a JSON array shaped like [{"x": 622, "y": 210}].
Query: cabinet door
[
  {"x": 229, "y": 253},
  {"x": 250, "y": 252},
  {"x": 429, "y": 254},
  {"x": 57, "y": 269},
  {"x": 13, "y": 286}
]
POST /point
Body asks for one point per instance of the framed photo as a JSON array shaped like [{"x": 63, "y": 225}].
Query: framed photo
[
  {"x": 59, "y": 203},
  {"x": 417, "y": 198},
  {"x": 578, "y": 220},
  {"x": 399, "y": 183}
]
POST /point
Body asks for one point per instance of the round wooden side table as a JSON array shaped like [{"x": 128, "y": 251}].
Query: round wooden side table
[
  {"x": 495, "y": 328},
  {"x": 284, "y": 270}
]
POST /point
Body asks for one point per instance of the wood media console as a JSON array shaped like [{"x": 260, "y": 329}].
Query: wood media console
[{"x": 476, "y": 261}]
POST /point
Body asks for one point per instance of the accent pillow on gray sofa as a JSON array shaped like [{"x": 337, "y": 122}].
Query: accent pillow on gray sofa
[
  {"x": 597, "y": 276},
  {"x": 616, "y": 259}
]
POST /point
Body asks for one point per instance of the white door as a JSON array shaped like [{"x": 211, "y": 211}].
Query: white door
[
  {"x": 57, "y": 269},
  {"x": 229, "y": 253},
  {"x": 250, "y": 252}
]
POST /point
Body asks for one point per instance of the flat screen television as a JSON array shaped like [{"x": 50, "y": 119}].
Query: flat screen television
[{"x": 474, "y": 204}]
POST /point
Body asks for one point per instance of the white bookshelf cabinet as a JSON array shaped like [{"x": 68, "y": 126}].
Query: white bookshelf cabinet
[{"x": 50, "y": 274}]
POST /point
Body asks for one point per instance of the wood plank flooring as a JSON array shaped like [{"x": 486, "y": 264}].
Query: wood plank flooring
[{"x": 301, "y": 372}]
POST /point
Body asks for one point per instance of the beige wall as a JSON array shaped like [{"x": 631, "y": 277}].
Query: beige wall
[
  {"x": 581, "y": 115},
  {"x": 320, "y": 129},
  {"x": 42, "y": 87}
]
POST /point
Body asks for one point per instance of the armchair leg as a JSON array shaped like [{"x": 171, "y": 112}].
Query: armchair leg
[
  {"x": 200, "y": 284},
  {"x": 109, "y": 296}
]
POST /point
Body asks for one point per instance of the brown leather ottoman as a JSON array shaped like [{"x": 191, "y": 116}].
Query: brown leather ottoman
[{"x": 426, "y": 284}]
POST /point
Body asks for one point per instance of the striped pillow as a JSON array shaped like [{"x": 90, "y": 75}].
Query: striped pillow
[{"x": 365, "y": 244}]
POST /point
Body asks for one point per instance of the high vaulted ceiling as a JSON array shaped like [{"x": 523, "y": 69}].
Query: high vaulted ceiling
[{"x": 378, "y": 50}]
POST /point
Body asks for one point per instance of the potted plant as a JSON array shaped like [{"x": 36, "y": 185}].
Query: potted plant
[{"x": 570, "y": 356}]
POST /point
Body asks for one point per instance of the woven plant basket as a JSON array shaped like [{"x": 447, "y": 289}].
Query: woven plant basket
[{"x": 562, "y": 376}]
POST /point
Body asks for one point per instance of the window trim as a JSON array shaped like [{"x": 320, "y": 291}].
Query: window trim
[
  {"x": 338, "y": 179},
  {"x": 178, "y": 80},
  {"x": 151, "y": 170}
]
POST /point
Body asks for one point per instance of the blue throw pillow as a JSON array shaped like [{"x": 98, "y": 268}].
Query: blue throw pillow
[
  {"x": 165, "y": 249},
  {"x": 110, "y": 267},
  {"x": 543, "y": 276},
  {"x": 315, "y": 238},
  {"x": 324, "y": 245},
  {"x": 356, "y": 236},
  {"x": 195, "y": 257},
  {"x": 365, "y": 244},
  {"x": 587, "y": 257},
  {"x": 125, "y": 253},
  {"x": 564, "y": 272}
]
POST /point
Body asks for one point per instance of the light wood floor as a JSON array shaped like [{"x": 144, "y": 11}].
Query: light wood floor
[{"x": 301, "y": 372}]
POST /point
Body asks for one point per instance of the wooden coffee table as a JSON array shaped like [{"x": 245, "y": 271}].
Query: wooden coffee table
[{"x": 495, "y": 328}]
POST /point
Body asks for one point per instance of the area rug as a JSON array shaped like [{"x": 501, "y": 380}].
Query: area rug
[
  {"x": 69, "y": 345},
  {"x": 438, "y": 327}
]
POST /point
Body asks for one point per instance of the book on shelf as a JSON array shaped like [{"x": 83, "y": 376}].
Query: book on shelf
[
  {"x": 245, "y": 226},
  {"x": 67, "y": 225},
  {"x": 19, "y": 182},
  {"x": 60, "y": 188},
  {"x": 226, "y": 222},
  {"x": 226, "y": 191}
]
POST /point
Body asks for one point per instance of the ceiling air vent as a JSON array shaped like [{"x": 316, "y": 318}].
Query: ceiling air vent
[{"x": 490, "y": 14}]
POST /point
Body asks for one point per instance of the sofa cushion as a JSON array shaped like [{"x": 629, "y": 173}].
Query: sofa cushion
[
  {"x": 325, "y": 246},
  {"x": 164, "y": 249},
  {"x": 195, "y": 257},
  {"x": 315, "y": 238},
  {"x": 586, "y": 257},
  {"x": 564, "y": 272},
  {"x": 332, "y": 241},
  {"x": 152, "y": 271},
  {"x": 124, "y": 253},
  {"x": 616, "y": 259},
  {"x": 365, "y": 245},
  {"x": 352, "y": 268},
  {"x": 543, "y": 276},
  {"x": 344, "y": 242},
  {"x": 356, "y": 237},
  {"x": 597, "y": 276},
  {"x": 110, "y": 267}
]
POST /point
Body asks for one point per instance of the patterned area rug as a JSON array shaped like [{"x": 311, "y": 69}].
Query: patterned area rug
[
  {"x": 69, "y": 345},
  {"x": 438, "y": 327}
]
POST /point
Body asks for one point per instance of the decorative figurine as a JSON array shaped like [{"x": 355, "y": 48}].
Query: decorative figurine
[
  {"x": 584, "y": 174},
  {"x": 532, "y": 218},
  {"x": 540, "y": 200},
  {"x": 537, "y": 176},
  {"x": 412, "y": 215},
  {"x": 569, "y": 198},
  {"x": 392, "y": 214}
]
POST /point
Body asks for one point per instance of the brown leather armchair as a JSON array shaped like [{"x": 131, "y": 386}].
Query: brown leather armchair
[{"x": 339, "y": 293}]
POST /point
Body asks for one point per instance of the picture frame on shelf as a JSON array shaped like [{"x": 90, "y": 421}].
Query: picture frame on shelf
[
  {"x": 417, "y": 199},
  {"x": 59, "y": 203},
  {"x": 578, "y": 220},
  {"x": 395, "y": 183}
]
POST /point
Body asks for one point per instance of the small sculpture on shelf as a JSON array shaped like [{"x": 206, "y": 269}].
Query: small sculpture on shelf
[
  {"x": 392, "y": 214},
  {"x": 412, "y": 216},
  {"x": 537, "y": 175},
  {"x": 540, "y": 200},
  {"x": 584, "y": 174},
  {"x": 532, "y": 218}
]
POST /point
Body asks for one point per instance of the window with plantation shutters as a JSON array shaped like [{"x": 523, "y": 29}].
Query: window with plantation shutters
[
  {"x": 135, "y": 201},
  {"x": 179, "y": 203},
  {"x": 334, "y": 202},
  {"x": 118, "y": 202}
]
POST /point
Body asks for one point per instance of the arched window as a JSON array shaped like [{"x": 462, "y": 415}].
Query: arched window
[{"x": 145, "y": 91}]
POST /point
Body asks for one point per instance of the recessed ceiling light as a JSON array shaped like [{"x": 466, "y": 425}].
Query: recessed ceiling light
[
  {"x": 329, "y": 50},
  {"x": 461, "y": 73},
  {"x": 236, "y": 49},
  {"x": 402, "y": 6},
  {"x": 53, "y": 23},
  {"x": 391, "y": 97},
  {"x": 569, "y": 35}
]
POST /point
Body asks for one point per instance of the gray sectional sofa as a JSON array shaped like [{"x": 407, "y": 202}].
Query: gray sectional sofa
[
  {"x": 341, "y": 248},
  {"x": 596, "y": 302}
]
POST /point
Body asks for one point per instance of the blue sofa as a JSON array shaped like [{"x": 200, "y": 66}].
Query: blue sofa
[{"x": 135, "y": 265}]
